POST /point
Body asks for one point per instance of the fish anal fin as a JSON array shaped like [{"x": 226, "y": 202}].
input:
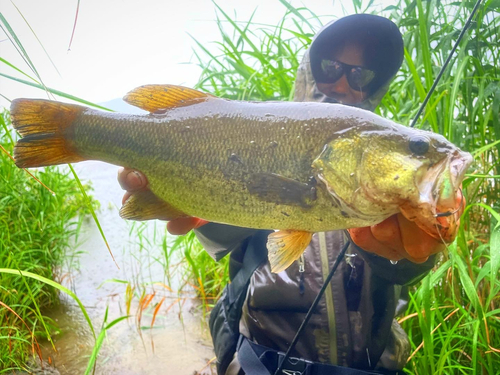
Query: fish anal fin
[
  {"x": 161, "y": 98},
  {"x": 286, "y": 246},
  {"x": 145, "y": 205},
  {"x": 282, "y": 190}
]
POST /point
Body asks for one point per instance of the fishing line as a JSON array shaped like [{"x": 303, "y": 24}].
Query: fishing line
[
  {"x": 464, "y": 29},
  {"x": 314, "y": 304},
  {"x": 449, "y": 213},
  {"x": 344, "y": 249}
]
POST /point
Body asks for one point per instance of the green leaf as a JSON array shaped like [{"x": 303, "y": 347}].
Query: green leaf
[
  {"x": 97, "y": 347},
  {"x": 296, "y": 12},
  {"x": 17, "y": 44},
  {"x": 54, "y": 91},
  {"x": 54, "y": 285},
  {"x": 467, "y": 283},
  {"x": 485, "y": 270},
  {"x": 92, "y": 211},
  {"x": 36, "y": 36},
  {"x": 483, "y": 149},
  {"x": 19, "y": 70},
  {"x": 494, "y": 251}
]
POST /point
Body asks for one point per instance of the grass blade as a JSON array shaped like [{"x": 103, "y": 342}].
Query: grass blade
[
  {"x": 55, "y": 92},
  {"x": 54, "y": 285},
  {"x": 92, "y": 211},
  {"x": 19, "y": 70},
  {"x": 38, "y": 40}
]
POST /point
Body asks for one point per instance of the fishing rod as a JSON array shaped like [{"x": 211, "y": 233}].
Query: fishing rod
[
  {"x": 314, "y": 304},
  {"x": 349, "y": 240}
]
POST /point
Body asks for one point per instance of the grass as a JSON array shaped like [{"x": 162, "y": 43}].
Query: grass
[
  {"x": 206, "y": 276},
  {"x": 455, "y": 311},
  {"x": 35, "y": 229}
]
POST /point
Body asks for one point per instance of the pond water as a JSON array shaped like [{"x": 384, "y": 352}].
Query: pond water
[{"x": 178, "y": 343}]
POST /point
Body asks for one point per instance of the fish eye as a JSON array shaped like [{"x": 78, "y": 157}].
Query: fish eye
[{"x": 419, "y": 145}]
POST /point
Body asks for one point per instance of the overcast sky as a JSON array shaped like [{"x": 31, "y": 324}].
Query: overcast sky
[{"x": 122, "y": 44}]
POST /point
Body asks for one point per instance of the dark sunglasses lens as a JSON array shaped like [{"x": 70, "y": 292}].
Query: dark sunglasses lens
[
  {"x": 331, "y": 71},
  {"x": 359, "y": 78}
]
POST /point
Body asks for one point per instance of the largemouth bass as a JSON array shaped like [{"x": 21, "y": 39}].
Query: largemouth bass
[{"x": 295, "y": 167}]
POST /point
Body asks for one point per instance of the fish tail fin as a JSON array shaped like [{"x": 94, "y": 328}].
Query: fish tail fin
[{"x": 44, "y": 126}]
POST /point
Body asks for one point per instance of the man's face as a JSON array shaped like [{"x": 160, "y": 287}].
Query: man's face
[{"x": 340, "y": 90}]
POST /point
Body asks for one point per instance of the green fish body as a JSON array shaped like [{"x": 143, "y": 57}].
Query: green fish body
[{"x": 299, "y": 167}]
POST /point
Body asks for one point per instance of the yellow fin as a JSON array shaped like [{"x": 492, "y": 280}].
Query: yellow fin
[
  {"x": 44, "y": 126},
  {"x": 286, "y": 246},
  {"x": 145, "y": 205},
  {"x": 159, "y": 98}
]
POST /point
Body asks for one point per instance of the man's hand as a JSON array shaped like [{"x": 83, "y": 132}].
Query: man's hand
[
  {"x": 398, "y": 238},
  {"x": 133, "y": 181}
]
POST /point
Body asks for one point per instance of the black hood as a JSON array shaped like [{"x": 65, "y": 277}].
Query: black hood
[{"x": 385, "y": 55}]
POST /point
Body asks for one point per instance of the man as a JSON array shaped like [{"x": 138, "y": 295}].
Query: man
[{"x": 351, "y": 61}]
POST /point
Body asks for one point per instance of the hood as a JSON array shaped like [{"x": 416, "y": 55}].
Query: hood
[{"x": 388, "y": 56}]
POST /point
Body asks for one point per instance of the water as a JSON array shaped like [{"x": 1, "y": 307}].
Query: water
[{"x": 178, "y": 340}]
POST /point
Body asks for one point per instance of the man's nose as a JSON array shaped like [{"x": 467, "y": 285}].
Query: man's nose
[{"x": 341, "y": 86}]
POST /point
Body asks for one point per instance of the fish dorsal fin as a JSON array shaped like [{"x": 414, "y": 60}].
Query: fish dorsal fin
[
  {"x": 160, "y": 98},
  {"x": 286, "y": 246}
]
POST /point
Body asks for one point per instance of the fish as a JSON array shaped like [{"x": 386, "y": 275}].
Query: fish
[{"x": 292, "y": 167}]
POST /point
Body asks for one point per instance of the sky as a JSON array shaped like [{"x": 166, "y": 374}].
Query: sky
[{"x": 121, "y": 44}]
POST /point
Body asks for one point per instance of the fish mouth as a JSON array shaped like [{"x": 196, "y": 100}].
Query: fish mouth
[{"x": 440, "y": 203}]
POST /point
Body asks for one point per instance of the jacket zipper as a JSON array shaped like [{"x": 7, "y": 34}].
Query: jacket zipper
[
  {"x": 330, "y": 308},
  {"x": 301, "y": 273}
]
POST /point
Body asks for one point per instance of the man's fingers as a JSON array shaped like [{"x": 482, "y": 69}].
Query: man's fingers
[
  {"x": 363, "y": 237},
  {"x": 131, "y": 180},
  {"x": 126, "y": 196},
  {"x": 184, "y": 225},
  {"x": 417, "y": 243},
  {"x": 387, "y": 233}
]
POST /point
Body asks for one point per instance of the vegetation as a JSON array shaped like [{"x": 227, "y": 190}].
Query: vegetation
[
  {"x": 36, "y": 226},
  {"x": 453, "y": 317}
]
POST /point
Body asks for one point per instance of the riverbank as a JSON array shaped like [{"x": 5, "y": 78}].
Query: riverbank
[{"x": 164, "y": 328}]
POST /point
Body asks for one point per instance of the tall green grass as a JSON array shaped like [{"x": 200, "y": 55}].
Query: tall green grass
[
  {"x": 456, "y": 309},
  {"x": 35, "y": 229}
]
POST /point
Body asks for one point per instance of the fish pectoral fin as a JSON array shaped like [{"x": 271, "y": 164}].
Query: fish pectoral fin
[
  {"x": 286, "y": 246},
  {"x": 160, "y": 98},
  {"x": 282, "y": 190},
  {"x": 145, "y": 205}
]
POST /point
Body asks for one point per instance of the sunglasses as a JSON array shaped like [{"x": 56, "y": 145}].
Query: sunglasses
[{"x": 357, "y": 77}]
